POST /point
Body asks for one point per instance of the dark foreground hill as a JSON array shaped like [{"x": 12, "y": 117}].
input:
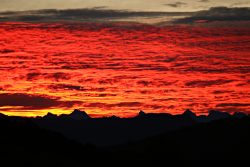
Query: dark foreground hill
[
  {"x": 23, "y": 143},
  {"x": 201, "y": 141}
]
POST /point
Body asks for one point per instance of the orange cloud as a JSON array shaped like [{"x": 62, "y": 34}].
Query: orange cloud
[{"x": 118, "y": 69}]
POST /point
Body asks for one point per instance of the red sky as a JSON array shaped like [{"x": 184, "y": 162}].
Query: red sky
[{"x": 119, "y": 69}]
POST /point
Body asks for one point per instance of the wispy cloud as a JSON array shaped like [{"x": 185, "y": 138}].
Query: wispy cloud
[
  {"x": 233, "y": 105},
  {"x": 204, "y": 1},
  {"x": 176, "y": 4},
  {"x": 200, "y": 83}
]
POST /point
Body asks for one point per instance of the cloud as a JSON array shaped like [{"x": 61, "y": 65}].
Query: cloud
[
  {"x": 176, "y": 4},
  {"x": 204, "y": 1},
  {"x": 194, "y": 56},
  {"x": 149, "y": 67},
  {"x": 107, "y": 81},
  {"x": 5, "y": 87},
  {"x": 205, "y": 83},
  {"x": 144, "y": 83},
  {"x": 237, "y": 4},
  {"x": 57, "y": 76},
  {"x": 222, "y": 91},
  {"x": 65, "y": 87},
  {"x": 233, "y": 105},
  {"x": 218, "y": 14},
  {"x": 128, "y": 104},
  {"x": 106, "y": 94},
  {"x": 107, "y": 106},
  {"x": 33, "y": 102},
  {"x": 85, "y": 14},
  {"x": 156, "y": 107},
  {"x": 104, "y": 15},
  {"x": 7, "y": 51},
  {"x": 32, "y": 76},
  {"x": 215, "y": 69},
  {"x": 165, "y": 99}
]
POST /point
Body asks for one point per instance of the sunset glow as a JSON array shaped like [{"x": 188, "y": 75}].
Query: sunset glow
[{"x": 121, "y": 68}]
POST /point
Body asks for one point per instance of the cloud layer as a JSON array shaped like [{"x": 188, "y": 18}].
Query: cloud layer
[
  {"x": 218, "y": 14},
  {"x": 85, "y": 15},
  {"x": 106, "y": 15},
  {"x": 120, "y": 68}
]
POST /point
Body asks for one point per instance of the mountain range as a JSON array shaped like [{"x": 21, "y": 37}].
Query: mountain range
[{"x": 76, "y": 139}]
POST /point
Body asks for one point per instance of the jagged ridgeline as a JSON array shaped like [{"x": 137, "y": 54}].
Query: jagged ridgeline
[{"x": 147, "y": 139}]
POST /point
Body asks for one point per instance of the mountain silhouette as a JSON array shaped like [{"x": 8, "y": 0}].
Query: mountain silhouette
[
  {"x": 50, "y": 116},
  {"x": 239, "y": 115},
  {"x": 141, "y": 114},
  {"x": 189, "y": 115},
  {"x": 216, "y": 115},
  {"x": 147, "y": 139},
  {"x": 113, "y": 130},
  {"x": 76, "y": 115}
]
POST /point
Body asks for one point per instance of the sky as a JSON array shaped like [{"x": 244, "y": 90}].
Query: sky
[
  {"x": 119, "y": 69},
  {"x": 108, "y": 62},
  {"x": 135, "y": 5}
]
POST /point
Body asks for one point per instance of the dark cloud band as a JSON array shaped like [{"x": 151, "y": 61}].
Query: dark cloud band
[
  {"x": 218, "y": 14},
  {"x": 33, "y": 102},
  {"x": 89, "y": 15}
]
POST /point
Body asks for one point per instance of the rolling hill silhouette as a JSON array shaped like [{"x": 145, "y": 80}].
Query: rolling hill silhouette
[{"x": 148, "y": 139}]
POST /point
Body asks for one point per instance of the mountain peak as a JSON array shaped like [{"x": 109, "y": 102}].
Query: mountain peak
[
  {"x": 78, "y": 115},
  {"x": 76, "y": 111},
  {"x": 141, "y": 113},
  {"x": 49, "y": 115},
  {"x": 188, "y": 113}
]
